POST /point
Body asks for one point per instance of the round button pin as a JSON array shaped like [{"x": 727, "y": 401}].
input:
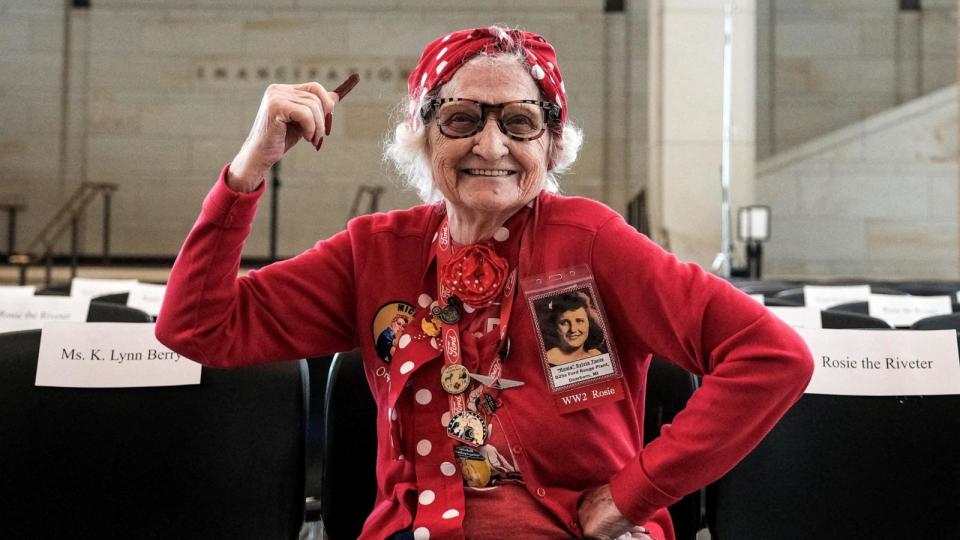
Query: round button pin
[{"x": 455, "y": 379}]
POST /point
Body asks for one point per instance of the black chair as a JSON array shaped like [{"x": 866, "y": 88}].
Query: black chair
[
  {"x": 938, "y": 322},
  {"x": 780, "y": 302},
  {"x": 109, "y": 312},
  {"x": 846, "y": 319},
  {"x": 929, "y": 288},
  {"x": 349, "y": 481},
  {"x": 115, "y": 298},
  {"x": 763, "y": 287},
  {"x": 223, "y": 459},
  {"x": 843, "y": 467},
  {"x": 862, "y": 308},
  {"x": 319, "y": 369},
  {"x": 60, "y": 289},
  {"x": 668, "y": 389}
]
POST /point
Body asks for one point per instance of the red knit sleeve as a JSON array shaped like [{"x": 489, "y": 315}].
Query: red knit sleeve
[
  {"x": 296, "y": 308},
  {"x": 754, "y": 366}
]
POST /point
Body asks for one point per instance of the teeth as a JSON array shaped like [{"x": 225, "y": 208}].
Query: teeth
[{"x": 488, "y": 172}]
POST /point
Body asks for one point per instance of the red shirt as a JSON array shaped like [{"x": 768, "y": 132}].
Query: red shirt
[{"x": 325, "y": 300}]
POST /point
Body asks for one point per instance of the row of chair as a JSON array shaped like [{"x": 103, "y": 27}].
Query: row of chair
[
  {"x": 224, "y": 459},
  {"x": 118, "y": 463},
  {"x": 250, "y": 453},
  {"x": 790, "y": 288}
]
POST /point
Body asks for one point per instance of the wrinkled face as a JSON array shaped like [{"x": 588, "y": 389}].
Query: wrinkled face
[
  {"x": 488, "y": 172},
  {"x": 573, "y": 327}
]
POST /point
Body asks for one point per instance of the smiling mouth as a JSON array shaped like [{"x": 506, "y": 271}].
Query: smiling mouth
[{"x": 489, "y": 172}]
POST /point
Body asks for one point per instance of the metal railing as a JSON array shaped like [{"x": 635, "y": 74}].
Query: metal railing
[
  {"x": 372, "y": 193},
  {"x": 68, "y": 217},
  {"x": 11, "y": 207}
]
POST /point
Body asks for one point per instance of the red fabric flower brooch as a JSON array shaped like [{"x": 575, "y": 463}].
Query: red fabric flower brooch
[{"x": 475, "y": 274}]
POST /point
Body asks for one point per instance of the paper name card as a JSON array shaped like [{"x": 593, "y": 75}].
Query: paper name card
[
  {"x": 883, "y": 362},
  {"x": 7, "y": 291},
  {"x": 147, "y": 297},
  {"x": 109, "y": 355},
  {"x": 32, "y": 312},
  {"x": 902, "y": 310},
  {"x": 99, "y": 287},
  {"x": 825, "y": 296},
  {"x": 757, "y": 297},
  {"x": 798, "y": 317}
]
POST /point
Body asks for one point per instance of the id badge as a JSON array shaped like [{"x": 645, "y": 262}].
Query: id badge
[{"x": 578, "y": 356}]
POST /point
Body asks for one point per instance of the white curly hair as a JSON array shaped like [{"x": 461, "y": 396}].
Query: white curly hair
[{"x": 406, "y": 147}]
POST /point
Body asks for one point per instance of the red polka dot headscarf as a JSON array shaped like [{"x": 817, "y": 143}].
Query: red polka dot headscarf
[{"x": 445, "y": 56}]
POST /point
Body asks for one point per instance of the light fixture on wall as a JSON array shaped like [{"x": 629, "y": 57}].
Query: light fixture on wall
[{"x": 754, "y": 229}]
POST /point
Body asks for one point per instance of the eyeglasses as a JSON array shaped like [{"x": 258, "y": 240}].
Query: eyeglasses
[{"x": 521, "y": 120}]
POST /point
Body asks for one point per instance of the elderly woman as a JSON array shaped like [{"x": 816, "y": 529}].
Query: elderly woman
[{"x": 479, "y": 436}]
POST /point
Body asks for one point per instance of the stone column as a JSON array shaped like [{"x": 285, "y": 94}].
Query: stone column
[{"x": 684, "y": 125}]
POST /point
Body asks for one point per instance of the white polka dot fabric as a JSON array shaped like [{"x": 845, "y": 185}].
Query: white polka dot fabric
[{"x": 443, "y": 57}]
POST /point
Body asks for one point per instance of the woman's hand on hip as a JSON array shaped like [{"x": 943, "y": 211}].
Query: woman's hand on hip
[
  {"x": 600, "y": 519},
  {"x": 288, "y": 112}
]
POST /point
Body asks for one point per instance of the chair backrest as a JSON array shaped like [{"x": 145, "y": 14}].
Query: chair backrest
[
  {"x": 841, "y": 467},
  {"x": 349, "y": 480},
  {"x": 115, "y": 298},
  {"x": 223, "y": 459},
  {"x": 938, "y": 322},
  {"x": 319, "y": 369},
  {"x": 794, "y": 296},
  {"x": 60, "y": 289},
  {"x": 929, "y": 288},
  {"x": 110, "y": 312},
  {"x": 774, "y": 301},
  {"x": 667, "y": 390},
  {"x": 763, "y": 287},
  {"x": 852, "y": 307},
  {"x": 846, "y": 319}
]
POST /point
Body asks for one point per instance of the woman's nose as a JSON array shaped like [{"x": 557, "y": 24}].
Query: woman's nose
[{"x": 490, "y": 143}]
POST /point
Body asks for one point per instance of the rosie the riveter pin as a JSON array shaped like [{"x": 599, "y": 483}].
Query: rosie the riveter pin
[{"x": 389, "y": 325}]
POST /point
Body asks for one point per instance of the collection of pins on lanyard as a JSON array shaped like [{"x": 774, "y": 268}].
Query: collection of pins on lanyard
[{"x": 466, "y": 425}]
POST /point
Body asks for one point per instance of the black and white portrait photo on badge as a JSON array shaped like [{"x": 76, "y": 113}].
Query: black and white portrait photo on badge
[{"x": 570, "y": 325}]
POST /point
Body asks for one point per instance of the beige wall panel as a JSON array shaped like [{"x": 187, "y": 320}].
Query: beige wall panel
[
  {"x": 158, "y": 104},
  {"x": 920, "y": 241}
]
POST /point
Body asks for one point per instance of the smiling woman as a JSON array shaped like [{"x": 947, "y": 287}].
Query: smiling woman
[
  {"x": 479, "y": 435},
  {"x": 408, "y": 147}
]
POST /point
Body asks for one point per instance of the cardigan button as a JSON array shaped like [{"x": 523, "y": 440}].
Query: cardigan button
[
  {"x": 518, "y": 449},
  {"x": 541, "y": 492}
]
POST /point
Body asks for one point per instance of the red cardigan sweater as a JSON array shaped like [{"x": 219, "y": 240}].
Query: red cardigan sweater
[{"x": 324, "y": 300}]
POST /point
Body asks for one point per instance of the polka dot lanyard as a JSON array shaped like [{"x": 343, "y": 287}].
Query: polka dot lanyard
[
  {"x": 466, "y": 426},
  {"x": 440, "y": 499}
]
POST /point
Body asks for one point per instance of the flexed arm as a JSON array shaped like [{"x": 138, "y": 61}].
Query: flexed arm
[
  {"x": 287, "y": 114},
  {"x": 303, "y": 306}
]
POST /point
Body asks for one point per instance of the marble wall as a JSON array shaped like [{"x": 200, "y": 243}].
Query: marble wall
[
  {"x": 159, "y": 95},
  {"x": 823, "y": 65},
  {"x": 156, "y": 95},
  {"x": 876, "y": 199}
]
